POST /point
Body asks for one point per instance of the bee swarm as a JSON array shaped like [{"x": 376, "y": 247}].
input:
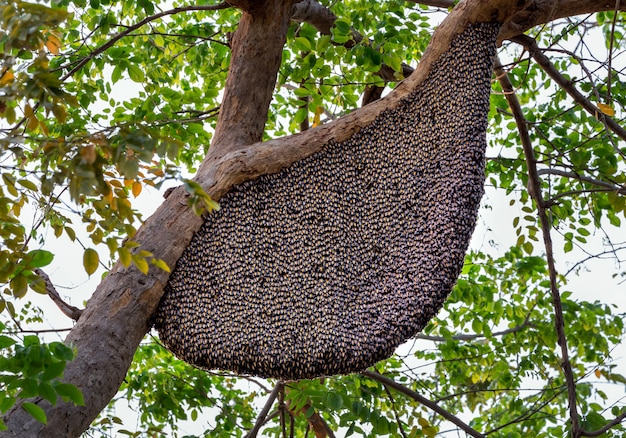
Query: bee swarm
[{"x": 327, "y": 266}]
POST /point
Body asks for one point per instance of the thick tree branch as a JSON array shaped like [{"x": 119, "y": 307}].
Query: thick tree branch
[
  {"x": 385, "y": 381},
  {"x": 314, "y": 13},
  {"x": 544, "y": 62},
  {"x": 534, "y": 189},
  {"x": 544, "y": 11},
  {"x": 538, "y": 12},
  {"x": 67, "y": 309},
  {"x": 255, "y": 60}
]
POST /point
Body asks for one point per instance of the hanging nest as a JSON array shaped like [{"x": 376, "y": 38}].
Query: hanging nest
[{"x": 327, "y": 266}]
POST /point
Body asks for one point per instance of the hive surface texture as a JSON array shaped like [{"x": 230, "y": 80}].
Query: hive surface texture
[{"x": 327, "y": 266}]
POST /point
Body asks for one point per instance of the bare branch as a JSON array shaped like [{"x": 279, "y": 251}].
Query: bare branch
[
  {"x": 435, "y": 3},
  {"x": 582, "y": 178},
  {"x": 260, "y": 420},
  {"x": 67, "y": 309},
  {"x": 461, "y": 337},
  {"x": 423, "y": 400},
  {"x": 539, "y": 12},
  {"x": 314, "y": 13},
  {"x": 395, "y": 411},
  {"x": 534, "y": 189},
  {"x": 544, "y": 62}
]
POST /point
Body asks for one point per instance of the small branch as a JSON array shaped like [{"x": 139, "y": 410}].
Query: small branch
[
  {"x": 316, "y": 422},
  {"x": 534, "y": 189},
  {"x": 582, "y": 178},
  {"x": 423, "y": 400},
  {"x": 136, "y": 26},
  {"x": 515, "y": 329},
  {"x": 395, "y": 411},
  {"x": 544, "y": 62},
  {"x": 617, "y": 420},
  {"x": 260, "y": 420},
  {"x": 67, "y": 309},
  {"x": 610, "y": 63},
  {"x": 434, "y": 3}
]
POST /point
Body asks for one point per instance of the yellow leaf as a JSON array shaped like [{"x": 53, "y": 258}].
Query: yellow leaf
[
  {"x": 53, "y": 43},
  {"x": 32, "y": 124},
  {"x": 125, "y": 256},
  {"x": 598, "y": 373},
  {"x": 161, "y": 264},
  {"x": 606, "y": 109},
  {"x": 136, "y": 188},
  {"x": 317, "y": 117},
  {"x": 141, "y": 263},
  {"x": 90, "y": 260},
  {"x": 7, "y": 77}
]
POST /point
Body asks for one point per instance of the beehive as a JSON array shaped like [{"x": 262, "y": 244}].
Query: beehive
[{"x": 326, "y": 267}]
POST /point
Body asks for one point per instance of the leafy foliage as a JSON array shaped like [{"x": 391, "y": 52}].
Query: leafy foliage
[{"x": 102, "y": 99}]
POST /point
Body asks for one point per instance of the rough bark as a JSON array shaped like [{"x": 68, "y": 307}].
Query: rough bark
[
  {"x": 118, "y": 315},
  {"x": 257, "y": 47}
]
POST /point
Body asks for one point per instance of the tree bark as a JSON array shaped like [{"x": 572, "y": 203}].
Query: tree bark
[{"x": 118, "y": 315}]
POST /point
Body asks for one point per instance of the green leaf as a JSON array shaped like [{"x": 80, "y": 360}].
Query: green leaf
[
  {"x": 28, "y": 184},
  {"x": 6, "y": 341},
  {"x": 135, "y": 73},
  {"x": 40, "y": 258},
  {"x": 35, "y": 411},
  {"x": 334, "y": 401},
  {"x": 70, "y": 392}
]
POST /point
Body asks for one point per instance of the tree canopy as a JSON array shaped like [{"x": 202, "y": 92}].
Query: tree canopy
[{"x": 100, "y": 100}]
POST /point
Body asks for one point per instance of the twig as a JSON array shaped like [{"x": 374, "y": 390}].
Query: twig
[
  {"x": 586, "y": 179},
  {"x": 423, "y": 400},
  {"x": 395, "y": 411},
  {"x": 609, "y": 66},
  {"x": 435, "y": 3},
  {"x": 534, "y": 189},
  {"x": 136, "y": 26},
  {"x": 260, "y": 420},
  {"x": 67, "y": 309},
  {"x": 544, "y": 62},
  {"x": 515, "y": 329}
]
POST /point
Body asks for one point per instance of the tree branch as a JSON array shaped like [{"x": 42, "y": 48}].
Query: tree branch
[
  {"x": 540, "y": 12},
  {"x": 617, "y": 420},
  {"x": 582, "y": 178},
  {"x": 67, "y": 309},
  {"x": 260, "y": 420},
  {"x": 385, "y": 381},
  {"x": 255, "y": 61},
  {"x": 534, "y": 189},
  {"x": 544, "y": 62},
  {"x": 462, "y": 337},
  {"x": 395, "y": 411}
]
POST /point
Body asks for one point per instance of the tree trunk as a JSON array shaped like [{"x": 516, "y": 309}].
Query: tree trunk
[{"x": 118, "y": 315}]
